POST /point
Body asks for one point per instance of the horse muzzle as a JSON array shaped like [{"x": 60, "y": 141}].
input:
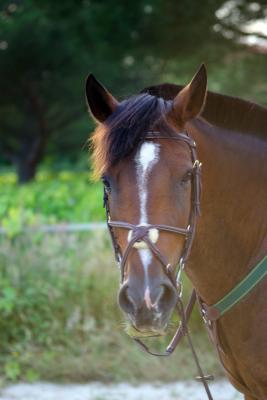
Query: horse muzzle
[{"x": 148, "y": 310}]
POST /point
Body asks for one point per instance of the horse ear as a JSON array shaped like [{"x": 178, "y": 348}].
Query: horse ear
[
  {"x": 190, "y": 101},
  {"x": 101, "y": 103}
]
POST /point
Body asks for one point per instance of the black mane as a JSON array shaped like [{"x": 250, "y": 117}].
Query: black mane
[
  {"x": 231, "y": 113},
  {"x": 131, "y": 122}
]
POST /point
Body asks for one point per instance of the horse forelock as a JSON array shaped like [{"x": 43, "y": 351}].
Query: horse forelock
[{"x": 126, "y": 127}]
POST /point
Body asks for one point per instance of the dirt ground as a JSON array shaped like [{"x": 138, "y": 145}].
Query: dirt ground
[{"x": 187, "y": 390}]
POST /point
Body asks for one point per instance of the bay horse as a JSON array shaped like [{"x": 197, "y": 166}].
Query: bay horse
[{"x": 150, "y": 183}]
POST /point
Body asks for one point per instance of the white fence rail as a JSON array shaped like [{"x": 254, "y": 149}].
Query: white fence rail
[{"x": 61, "y": 228}]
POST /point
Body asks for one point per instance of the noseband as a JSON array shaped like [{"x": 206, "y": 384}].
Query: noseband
[{"x": 142, "y": 234}]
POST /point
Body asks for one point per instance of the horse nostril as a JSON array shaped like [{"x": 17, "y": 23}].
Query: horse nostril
[
  {"x": 125, "y": 301},
  {"x": 168, "y": 297}
]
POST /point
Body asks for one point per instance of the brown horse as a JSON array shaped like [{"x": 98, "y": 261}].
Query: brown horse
[{"x": 149, "y": 181}]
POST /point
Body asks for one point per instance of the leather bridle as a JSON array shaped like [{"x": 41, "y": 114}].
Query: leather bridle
[{"x": 140, "y": 233}]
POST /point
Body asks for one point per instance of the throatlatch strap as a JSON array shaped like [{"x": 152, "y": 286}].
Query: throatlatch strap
[{"x": 238, "y": 292}]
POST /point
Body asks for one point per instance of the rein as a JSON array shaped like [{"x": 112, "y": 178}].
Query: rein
[{"x": 141, "y": 233}]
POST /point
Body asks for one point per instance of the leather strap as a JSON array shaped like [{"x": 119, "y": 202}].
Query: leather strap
[
  {"x": 179, "y": 334},
  {"x": 141, "y": 233},
  {"x": 210, "y": 313},
  {"x": 182, "y": 331}
]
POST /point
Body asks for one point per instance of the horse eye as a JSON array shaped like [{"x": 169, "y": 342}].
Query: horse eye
[
  {"x": 187, "y": 176},
  {"x": 106, "y": 183}
]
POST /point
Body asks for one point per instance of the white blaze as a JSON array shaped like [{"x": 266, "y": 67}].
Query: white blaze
[{"x": 145, "y": 159}]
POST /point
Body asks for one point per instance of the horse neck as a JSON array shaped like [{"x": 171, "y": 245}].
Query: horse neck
[{"x": 232, "y": 232}]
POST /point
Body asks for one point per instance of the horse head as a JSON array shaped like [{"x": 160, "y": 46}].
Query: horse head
[{"x": 149, "y": 185}]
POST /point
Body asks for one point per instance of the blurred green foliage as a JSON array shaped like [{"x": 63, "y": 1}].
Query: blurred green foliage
[
  {"x": 52, "y": 198},
  {"x": 58, "y": 314},
  {"x": 59, "y": 319}
]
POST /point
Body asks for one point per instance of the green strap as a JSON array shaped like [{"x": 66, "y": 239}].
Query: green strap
[{"x": 243, "y": 288}]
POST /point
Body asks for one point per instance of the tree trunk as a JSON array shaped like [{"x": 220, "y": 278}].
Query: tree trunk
[
  {"x": 34, "y": 139},
  {"x": 26, "y": 170}
]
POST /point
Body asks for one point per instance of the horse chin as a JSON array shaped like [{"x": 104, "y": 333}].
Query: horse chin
[{"x": 134, "y": 332}]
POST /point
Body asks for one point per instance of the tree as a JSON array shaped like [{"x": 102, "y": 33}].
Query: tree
[
  {"x": 36, "y": 101},
  {"x": 47, "y": 48}
]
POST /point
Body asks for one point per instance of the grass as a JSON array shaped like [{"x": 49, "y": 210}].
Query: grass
[{"x": 59, "y": 318}]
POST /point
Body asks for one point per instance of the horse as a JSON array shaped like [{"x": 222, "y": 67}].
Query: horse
[{"x": 147, "y": 150}]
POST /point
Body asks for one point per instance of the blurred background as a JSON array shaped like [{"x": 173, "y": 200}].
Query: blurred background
[{"x": 58, "y": 314}]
